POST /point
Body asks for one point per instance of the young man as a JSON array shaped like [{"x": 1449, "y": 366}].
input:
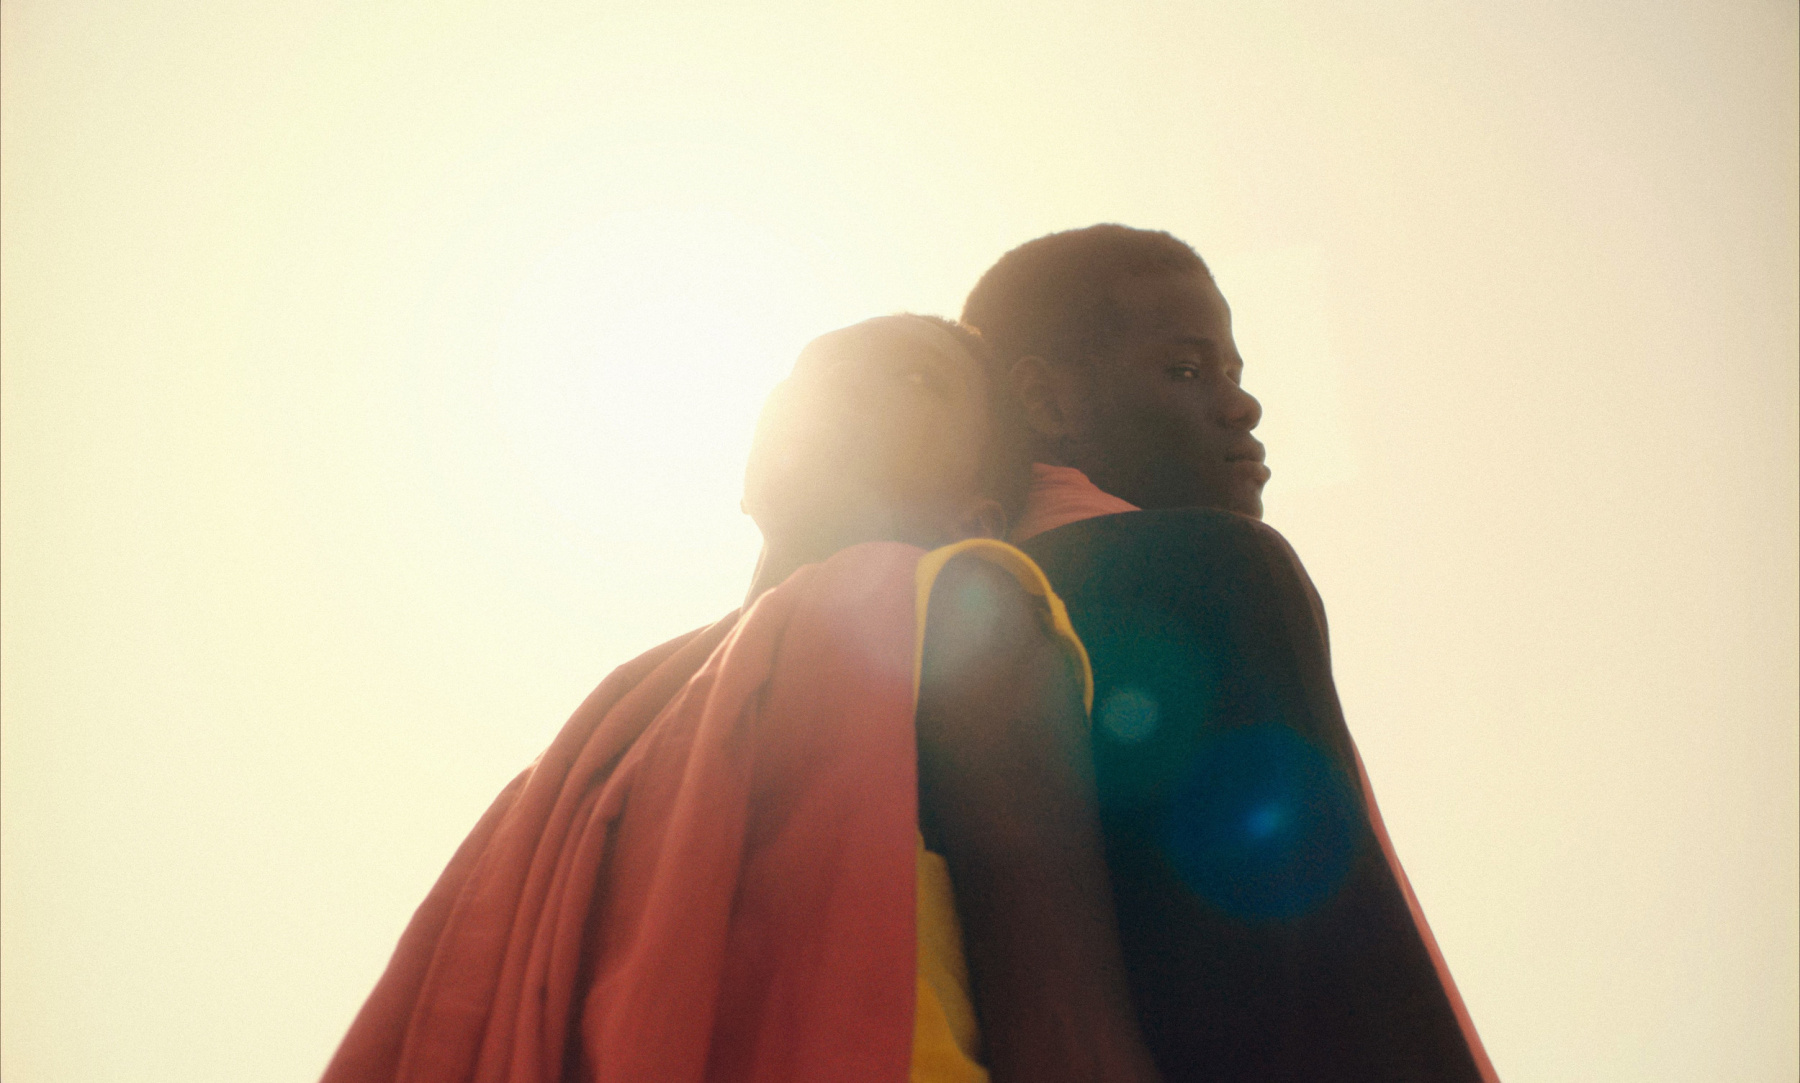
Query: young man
[
  {"x": 1267, "y": 928},
  {"x": 1118, "y": 346}
]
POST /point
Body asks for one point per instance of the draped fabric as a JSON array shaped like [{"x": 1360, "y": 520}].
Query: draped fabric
[
  {"x": 1268, "y": 930},
  {"x": 708, "y": 876},
  {"x": 1060, "y": 495}
]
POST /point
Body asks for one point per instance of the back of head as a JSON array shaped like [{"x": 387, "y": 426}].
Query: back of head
[
  {"x": 884, "y": 431},
  {"x": 1006, "y": 458},
  {"x": 1053, "y": 297}
]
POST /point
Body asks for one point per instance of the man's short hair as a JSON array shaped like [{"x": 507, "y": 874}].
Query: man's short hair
[{"x": 1054, "y": 297}]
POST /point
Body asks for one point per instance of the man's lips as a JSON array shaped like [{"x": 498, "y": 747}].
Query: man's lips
[
  {"x": 1250, "y": 468},
  {"x": 1248, "y": 461}
]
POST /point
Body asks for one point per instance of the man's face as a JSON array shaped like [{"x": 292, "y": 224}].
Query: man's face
[{"x": 1169, "y": 424}]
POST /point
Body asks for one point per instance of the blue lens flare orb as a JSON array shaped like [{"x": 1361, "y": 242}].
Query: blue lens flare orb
[
  {"x": 1264, "y": 826},
  {"x": 1128, "y": 715}
]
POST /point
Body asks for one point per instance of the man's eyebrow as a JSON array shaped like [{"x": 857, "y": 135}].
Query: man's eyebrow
[{"x": 1202, "y": 342}]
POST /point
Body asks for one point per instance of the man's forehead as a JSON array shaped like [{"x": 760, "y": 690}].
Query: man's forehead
[{"x": 1170, "y": 306}]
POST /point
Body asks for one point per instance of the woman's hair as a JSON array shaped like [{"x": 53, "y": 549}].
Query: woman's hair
[{"x": 1006, "y": 457}]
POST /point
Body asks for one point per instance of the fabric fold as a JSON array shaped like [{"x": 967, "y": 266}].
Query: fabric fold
[{"x": 709, "y": 875}]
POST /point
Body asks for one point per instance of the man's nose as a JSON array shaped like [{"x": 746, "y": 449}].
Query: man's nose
[{"x": 1242, "y": 410}]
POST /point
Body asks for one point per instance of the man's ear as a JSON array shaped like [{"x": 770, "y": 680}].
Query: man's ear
[{"x": 1053, "y": 400}]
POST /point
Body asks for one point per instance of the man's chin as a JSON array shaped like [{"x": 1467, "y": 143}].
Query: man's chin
[{"x": 1242, "y": 499}]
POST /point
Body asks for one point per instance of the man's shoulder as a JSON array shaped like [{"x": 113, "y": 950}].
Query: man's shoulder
[
  {"x": 1160, "y": 535},
  {"x": 1178, "y": 560}
]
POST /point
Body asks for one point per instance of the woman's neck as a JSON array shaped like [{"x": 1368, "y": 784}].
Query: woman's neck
[
  {"x": 783, "y": 555},
  {"x": 773, "y": 565}
]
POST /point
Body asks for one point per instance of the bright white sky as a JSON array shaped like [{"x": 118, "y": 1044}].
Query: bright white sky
[{"x": 378, "y": 376}]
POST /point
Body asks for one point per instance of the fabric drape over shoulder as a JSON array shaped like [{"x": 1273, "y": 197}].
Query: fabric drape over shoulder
[
  {"x": 1268, "y": 929},
  {"x": 727, "y": 829},
  {"x": 1060, "y": 495}
]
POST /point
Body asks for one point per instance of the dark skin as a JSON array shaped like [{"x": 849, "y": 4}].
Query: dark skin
[
  {"x": 1007, "y": 782},
  {"x": 1158, "y": 414},
  {"x": 879, "y": 435}
]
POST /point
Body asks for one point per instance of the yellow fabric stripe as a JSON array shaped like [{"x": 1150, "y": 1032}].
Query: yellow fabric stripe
[
  {"x": 946, "y": 1045},
  {"x": 946, "y": 1036},
  {"x": 1029, "y": 575}
]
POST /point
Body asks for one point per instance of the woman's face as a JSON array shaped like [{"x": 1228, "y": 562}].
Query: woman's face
[{"x": 879, "y": 433}]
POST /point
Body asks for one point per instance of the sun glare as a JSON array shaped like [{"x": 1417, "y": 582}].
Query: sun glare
[
  {"x": 635, "y": 356},
  {"x": 378, "y": 377}
]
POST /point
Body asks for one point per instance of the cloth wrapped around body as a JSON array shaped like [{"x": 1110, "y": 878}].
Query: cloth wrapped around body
[
  {"x": 1269, "y": 932},
  {"x": 714, "y": 873}
]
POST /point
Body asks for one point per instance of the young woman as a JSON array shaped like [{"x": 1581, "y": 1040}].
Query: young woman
[{"x": 718, "y": 870}]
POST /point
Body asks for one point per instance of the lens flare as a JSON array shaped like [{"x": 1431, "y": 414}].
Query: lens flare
[
  {"x": 1128, "y": 715},
  {"x": 1264, "y": 826}
]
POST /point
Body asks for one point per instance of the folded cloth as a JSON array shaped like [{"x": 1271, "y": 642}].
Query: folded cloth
[
  {"x": 713, "y": 872},
  {"x": 709, "y": 875},
  {"x": 1060, "y": 495}
]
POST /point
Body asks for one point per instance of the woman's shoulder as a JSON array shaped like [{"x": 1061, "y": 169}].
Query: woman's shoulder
[
  {"x": 982, "y": 588},
  {"x": 975, "y": 598},
  {"x": 984, "y": 606}
]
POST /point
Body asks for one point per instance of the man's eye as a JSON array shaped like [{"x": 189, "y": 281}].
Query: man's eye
[{"x": 1184, "y": 372}]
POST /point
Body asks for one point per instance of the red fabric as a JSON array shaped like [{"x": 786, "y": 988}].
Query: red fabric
[
  {"x": 708, "y": 876},
  {"x": 1060, "y": 495},
  {"x": 1464, "y": 1021}
]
